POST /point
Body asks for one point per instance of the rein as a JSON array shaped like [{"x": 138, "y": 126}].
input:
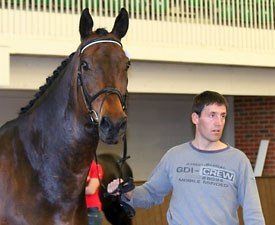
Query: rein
[
  {"x": 88, "y": 100},
  {"x": 123, "y": 187}
]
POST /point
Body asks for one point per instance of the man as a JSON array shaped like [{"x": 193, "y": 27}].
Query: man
[{"x": 209, "y": 179}]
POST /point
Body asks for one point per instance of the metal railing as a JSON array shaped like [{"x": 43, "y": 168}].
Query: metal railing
[{"x": 242, "y": 13}]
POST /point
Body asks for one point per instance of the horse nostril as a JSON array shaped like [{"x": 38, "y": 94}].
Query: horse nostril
[
  {"x": 111, "y": 130},
  {"x": 105, "y": 123},
  {"x": 123, "y": 124}
]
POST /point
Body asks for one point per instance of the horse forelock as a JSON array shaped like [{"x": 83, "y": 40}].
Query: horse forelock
[
  {"x": 49, "y": 80},
  {"x": 101, "y": 32}
]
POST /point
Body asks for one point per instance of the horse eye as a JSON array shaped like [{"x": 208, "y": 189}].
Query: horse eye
[{"x": 84, "y": 65}]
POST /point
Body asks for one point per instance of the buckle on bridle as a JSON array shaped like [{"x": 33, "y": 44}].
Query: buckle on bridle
[{"x": 94, "y": 116}]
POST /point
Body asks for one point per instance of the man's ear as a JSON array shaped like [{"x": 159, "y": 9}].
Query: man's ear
[{"x": 195, "y": 118}]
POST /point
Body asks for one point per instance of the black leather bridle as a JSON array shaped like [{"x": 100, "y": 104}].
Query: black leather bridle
[{"x": 88, "y": 100}]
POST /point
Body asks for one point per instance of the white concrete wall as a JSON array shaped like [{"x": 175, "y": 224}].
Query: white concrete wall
[
  {"x": 30, "y": 72},
  {"x": 4, "y": 65},
  {"x": 184, "y": 34}
]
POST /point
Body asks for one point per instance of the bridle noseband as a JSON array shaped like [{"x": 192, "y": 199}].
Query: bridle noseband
[{"x": 88, "y": 100}]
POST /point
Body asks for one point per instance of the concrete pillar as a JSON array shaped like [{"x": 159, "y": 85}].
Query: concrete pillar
[{"x": 4, "y": 66}]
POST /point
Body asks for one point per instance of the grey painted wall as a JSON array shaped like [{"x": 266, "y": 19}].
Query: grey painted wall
[{"x": 156, "y": 122}]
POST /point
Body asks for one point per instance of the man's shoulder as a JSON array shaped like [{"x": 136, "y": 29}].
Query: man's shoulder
[
  {"x": 236, "y": 154},
  {"x": 182, "y": 148}
]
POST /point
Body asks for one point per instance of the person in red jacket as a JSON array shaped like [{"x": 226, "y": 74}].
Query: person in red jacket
[{"x": 92, "y": 194}]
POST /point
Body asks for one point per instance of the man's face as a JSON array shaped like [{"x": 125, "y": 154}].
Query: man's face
[{"x": 210, "y": 124}]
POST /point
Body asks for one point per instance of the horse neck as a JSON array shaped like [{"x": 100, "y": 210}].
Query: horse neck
[{"x": 64, "y": 145}]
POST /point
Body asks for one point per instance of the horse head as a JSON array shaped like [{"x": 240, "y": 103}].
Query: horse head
[{"x": 102, "y": 76}]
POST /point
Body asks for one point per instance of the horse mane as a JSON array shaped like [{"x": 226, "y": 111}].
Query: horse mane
[{"x": 49, "y": 81}]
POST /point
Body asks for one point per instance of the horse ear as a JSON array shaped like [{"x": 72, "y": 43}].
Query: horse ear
[
  {"x": 86, "y": 24},
  {"x": 121, "y": 24}
]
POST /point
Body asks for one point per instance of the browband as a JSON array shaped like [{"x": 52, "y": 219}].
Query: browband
[{"x": 97, "y": 41}]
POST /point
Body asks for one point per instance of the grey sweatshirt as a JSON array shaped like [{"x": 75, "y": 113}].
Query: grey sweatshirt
[{"x": 207, "y": 187}]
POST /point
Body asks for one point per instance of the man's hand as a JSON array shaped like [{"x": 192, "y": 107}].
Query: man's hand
[
  {"x": 112, "y": 187},
  {"x": 115, "y": 188}
]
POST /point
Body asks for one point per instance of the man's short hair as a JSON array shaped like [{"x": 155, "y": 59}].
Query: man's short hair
[{"x": 207, "y": 98}]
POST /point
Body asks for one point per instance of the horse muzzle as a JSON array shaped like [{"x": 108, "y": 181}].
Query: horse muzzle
[{"x": 110, "y": 130}]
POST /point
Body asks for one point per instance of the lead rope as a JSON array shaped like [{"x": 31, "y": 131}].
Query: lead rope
[{"x": 123, "y": 187}]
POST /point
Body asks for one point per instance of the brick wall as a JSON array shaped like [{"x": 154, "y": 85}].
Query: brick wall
[{"x": 254, "y": 121}]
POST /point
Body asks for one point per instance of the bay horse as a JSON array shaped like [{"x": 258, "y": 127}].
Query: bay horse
[
  {"x": 46, "y": 152},
  {"x": 113, "y": 167}
]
